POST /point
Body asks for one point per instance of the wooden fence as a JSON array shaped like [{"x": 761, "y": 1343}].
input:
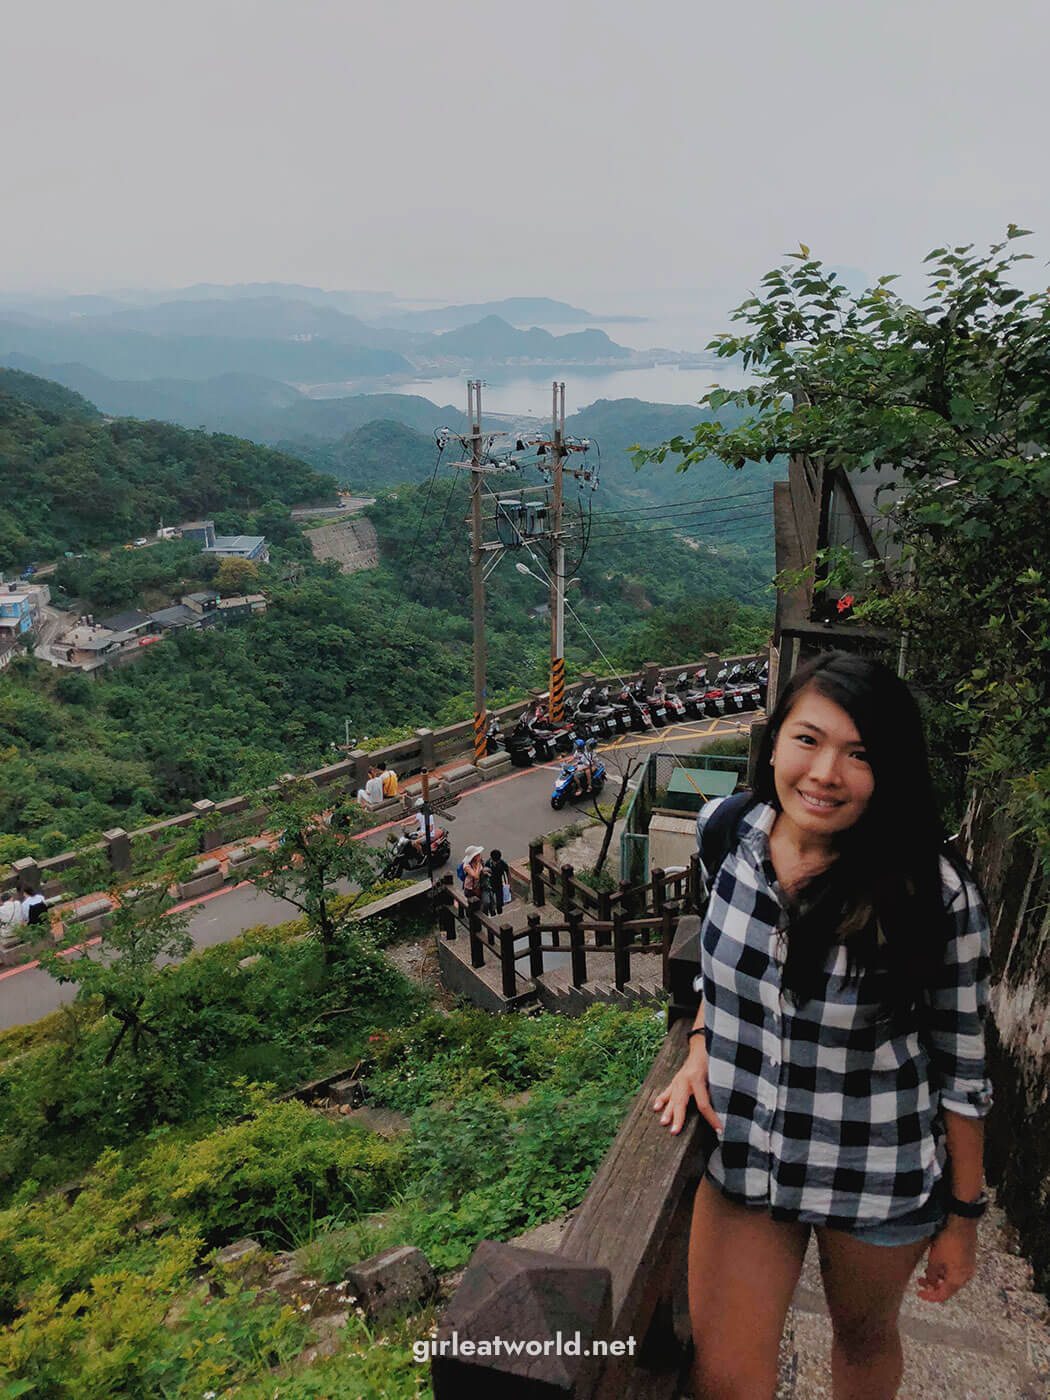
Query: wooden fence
[{"x": 634, "y": 920}]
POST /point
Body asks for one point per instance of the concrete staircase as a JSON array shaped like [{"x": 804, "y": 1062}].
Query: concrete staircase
[
  {"x": 991, "y": 1342},
  {"x": 553, "y": 988},
  {"x": 556, "y": 992}
]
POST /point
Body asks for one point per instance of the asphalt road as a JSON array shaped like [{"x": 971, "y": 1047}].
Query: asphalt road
[{"x": 505, "y": 813}]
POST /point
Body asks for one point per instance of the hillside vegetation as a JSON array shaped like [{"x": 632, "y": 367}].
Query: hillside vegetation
[
  {"x": 202, "y": 714},
  {"x": 71, "y": 481}
]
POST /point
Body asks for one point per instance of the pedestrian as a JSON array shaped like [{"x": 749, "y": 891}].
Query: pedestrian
[
  {"x": 838, "y": 1053},
  {"x": 499, "y": 873},
  {"x": 371, "y": 795},
  {"x": 34, "y": 905},
  {"x": 10, "y": 917},
  {"x": 472, "y": 868}
]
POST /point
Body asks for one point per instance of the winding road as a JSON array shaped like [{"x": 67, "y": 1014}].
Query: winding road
[{"x": 505, "y": 813}]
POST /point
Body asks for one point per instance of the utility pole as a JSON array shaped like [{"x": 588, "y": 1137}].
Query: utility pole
[
  {"x": 476, "y": 569},
  {"x": 556, "y": 707}
]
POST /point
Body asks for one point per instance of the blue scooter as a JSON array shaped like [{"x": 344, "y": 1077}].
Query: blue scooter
[{"x": 565, "y": 787}]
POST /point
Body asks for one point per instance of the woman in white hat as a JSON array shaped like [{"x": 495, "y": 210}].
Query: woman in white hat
[{"x": 472, "y": 870}]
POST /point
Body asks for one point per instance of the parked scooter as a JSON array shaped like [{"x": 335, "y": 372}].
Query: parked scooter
[
  {"x": 714, "y": 702},
  {"x": 565, "y": 783},
  {"x": 520, "y": 744},
  {"x": 404, "y": 857},
  {"x": 638, "y": 711},
  {"x": 657, "y": 707},
  {"x": 603, "y": 717},
  {"x": 620, "y": 713}
]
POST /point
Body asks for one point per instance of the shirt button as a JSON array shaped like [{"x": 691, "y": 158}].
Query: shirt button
[{"x": 774, "y": 1063}]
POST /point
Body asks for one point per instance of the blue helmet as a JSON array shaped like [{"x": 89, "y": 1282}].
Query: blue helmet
[{"x": 580, "y": 744}]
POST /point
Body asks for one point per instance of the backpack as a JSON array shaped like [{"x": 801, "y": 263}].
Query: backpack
[
  {"x": 37, "y": 913},
  {"x": 721, "y": 830},
  {"x": 461, "y": 874}
]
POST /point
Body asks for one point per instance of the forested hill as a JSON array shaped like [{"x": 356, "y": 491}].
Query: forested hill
[{"x": 70, "y": 481}]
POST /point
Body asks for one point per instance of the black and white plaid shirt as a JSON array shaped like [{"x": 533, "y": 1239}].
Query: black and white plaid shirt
[{"x": 831, "y": 1113}]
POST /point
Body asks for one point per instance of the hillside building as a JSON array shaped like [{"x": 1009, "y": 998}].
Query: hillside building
[
  {"x": 202, "y": 530},
  {"x": 252, "y": 547}
]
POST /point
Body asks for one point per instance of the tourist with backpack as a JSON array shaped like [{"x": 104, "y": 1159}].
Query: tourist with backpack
[
  {"x": 34, "y": 906},
  {"x": 838, "y": 1052}
]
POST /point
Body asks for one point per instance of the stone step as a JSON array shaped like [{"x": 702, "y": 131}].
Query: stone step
[{"x": 990, "y": 1342}]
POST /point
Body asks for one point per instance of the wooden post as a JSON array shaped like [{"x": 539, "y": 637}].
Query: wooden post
[
  {"x": 536, "y": 873},
  {"x": 535, "y": 956},
  {"x": 506, "y": 958},
  {"x": 670, "y": 920},
  {"x": 659, "y": 890},
  {"x": 446, "y": 912},
  {"x": 694, "y": 884},
  {"x": 477, "y": 948},
  {"x": 626, "y": 899},
  {"x": 578, "y": 955},
  {"x": 567, "y": 882},
  {"x": 621, "y": 956}
]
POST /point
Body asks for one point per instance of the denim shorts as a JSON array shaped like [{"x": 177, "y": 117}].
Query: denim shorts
[{"x": 916, "y": 1225}]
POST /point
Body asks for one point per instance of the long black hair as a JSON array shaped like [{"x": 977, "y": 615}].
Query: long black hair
[{"x": 882, "y": 896}]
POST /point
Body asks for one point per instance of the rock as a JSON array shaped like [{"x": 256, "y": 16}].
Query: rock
[
  {"x": 179, "y": 1310},
  {"x": 327, "y": 1326},
  {"x": 250, "y": 960},
  {"x": 392, "y": 1282},
  {"x": 288, "y": 1281},
  {"x": 346, "y": 1091},
  {"x": 236, "y": 1253},
  {"x": 327, "y": 1346}
]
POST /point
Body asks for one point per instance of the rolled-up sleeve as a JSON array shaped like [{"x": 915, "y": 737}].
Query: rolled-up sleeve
[{"x": 957, "y": 1004}]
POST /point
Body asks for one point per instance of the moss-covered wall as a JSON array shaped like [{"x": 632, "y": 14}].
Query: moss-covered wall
[{"x": 1018, "y": 1155}]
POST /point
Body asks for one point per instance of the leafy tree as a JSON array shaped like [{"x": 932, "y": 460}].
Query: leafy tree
[
  {"x": 313, "y": 854},
  {"x": 236, "y": 576},
  {"x": 954, "y": 396},
  {"x": 123, "y": 971}
]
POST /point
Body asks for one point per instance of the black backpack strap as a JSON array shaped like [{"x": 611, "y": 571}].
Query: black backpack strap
[{"x": 721, "y": 830}]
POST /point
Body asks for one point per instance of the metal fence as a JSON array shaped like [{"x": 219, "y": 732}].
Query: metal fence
[{"x": 651, "y": 792}]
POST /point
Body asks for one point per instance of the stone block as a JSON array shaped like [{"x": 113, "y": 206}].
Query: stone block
[
  {"x": 207, "y": 876},
  {"x": 392, "y": 1282},
  {"x": 91, "y": 918},
  {"x": 463, "y": 777},
  {"x": 237, "y": 1252},
  {"x": 250, "y": 960},
  {"x": 493, "y": 764}
]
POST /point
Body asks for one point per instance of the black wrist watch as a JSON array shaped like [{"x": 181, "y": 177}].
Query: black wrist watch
[{"x": 969, "y": 1210}]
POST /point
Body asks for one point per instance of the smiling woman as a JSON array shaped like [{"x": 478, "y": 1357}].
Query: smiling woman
[{"x": 839, "y": 1052}]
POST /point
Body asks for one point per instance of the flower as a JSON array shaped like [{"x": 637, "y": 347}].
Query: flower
[{"x": 845, "y": 602}]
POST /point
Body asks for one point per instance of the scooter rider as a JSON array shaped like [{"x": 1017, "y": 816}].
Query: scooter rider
[
  {"x": 418, "y": 833},
  {"x": 583, "y": 767}
]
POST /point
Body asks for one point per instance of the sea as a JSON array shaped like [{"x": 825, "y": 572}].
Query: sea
[{"x": 682, "y": 321}]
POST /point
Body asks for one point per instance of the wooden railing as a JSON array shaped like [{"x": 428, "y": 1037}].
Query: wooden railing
[
  {"x": 618, "y": 1276},
  {"x": 660, "y": 905}
]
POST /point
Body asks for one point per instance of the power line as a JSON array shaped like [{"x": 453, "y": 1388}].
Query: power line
[
  {"x": 667, "y": 506},
  {"x": 696, "y": 524}
]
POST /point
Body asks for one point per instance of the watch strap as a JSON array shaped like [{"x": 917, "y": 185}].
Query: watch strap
[{"x": 969, "y": 1210}]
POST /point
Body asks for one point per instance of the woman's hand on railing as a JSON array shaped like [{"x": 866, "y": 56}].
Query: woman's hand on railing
[{"x": 689, "y": 1083}]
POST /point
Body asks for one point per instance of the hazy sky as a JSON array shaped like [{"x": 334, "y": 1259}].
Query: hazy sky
[{"x": 469, "y": 150}]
